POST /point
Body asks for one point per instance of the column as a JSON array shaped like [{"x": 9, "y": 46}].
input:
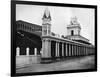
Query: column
[
  {"x": 79, "y": 51},
  {"x": 72, "y": 50},
  {"x": 62, "y": 49},
  {"x": 89, "y": 50},
  {"x": 49, "y": 47},
  {"x": 75, "y": 53},
  {"x": 43, "y": 45},
  {"x": 47, "y": 30},
  {"x": 69, "y": 50},
  {"x": 56, "y": 50},
  {"x": 17, "y": 51},
  {"x": 27, "y": 51},
  {"x": 84, "y": 50},
  {"x": 76, "y": 50},
  {"x": 35, "y": 49},
  {"x": 46, "y": 46}
]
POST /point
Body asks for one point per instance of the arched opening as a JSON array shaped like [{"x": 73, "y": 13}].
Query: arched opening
[
  {"x": 17, "y": 51},
  {"x": 60, "y": 49},
  {"x": 53, "y": 49},
  {"x": 72, "y": 32},
  {"x": 28, "y": 40}
]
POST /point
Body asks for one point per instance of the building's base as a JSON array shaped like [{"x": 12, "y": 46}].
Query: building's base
[
  {"x": 52, "y": 59},
  {"x": 56, "y": 59},
  {"x": 24, "y": 61},
  {"x": 46, "y": 60}
]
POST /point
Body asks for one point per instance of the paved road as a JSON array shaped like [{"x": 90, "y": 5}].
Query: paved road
[{"x": 70, "y": 64}]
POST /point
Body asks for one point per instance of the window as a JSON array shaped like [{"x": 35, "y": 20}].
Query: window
[
  {"x": 45, "y": 32},
  {"x": 72, "y": 32}
]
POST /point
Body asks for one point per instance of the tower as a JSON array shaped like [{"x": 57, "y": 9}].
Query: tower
[
  {"x": 46, "y": 24},
  {"x": 73, "y": 31},
  {"x": 46, "y": 31},
  {"x": 73, "y": 28}
]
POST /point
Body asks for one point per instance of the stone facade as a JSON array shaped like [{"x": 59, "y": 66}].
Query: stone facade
[
  {"x": 56, "y": 47},
  {"x": 52, "y": 47}
]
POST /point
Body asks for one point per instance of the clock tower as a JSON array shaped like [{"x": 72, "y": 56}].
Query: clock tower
[{"x": 46, "y": 25}]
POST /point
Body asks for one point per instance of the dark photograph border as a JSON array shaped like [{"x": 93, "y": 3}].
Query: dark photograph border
[{"x": 13, "y": 37}]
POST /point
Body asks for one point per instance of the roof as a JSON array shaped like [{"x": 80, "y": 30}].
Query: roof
[
  {"x": 78, "y": 40},
  {"x": 27, "y": 23},
  {"x": 76, "y": 35},
  {"x": 37, "y": 28}
]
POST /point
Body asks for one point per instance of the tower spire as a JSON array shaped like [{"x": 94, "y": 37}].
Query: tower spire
[{"x": 46, "y": 14}]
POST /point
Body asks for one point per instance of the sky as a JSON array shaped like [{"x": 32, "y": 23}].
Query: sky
[{"x": 61, "y": 17}]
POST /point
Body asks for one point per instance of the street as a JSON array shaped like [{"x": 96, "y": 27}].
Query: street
[{"x": 85, "y": 62}]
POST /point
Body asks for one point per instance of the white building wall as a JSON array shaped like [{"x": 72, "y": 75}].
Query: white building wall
[{"x": 74, "y": 29}]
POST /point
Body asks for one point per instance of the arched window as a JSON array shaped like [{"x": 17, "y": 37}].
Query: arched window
[
  {"x": 72, "y": 32},
  {"x": 17, "y": 51},
  {"x": 27, "y": 50}
]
